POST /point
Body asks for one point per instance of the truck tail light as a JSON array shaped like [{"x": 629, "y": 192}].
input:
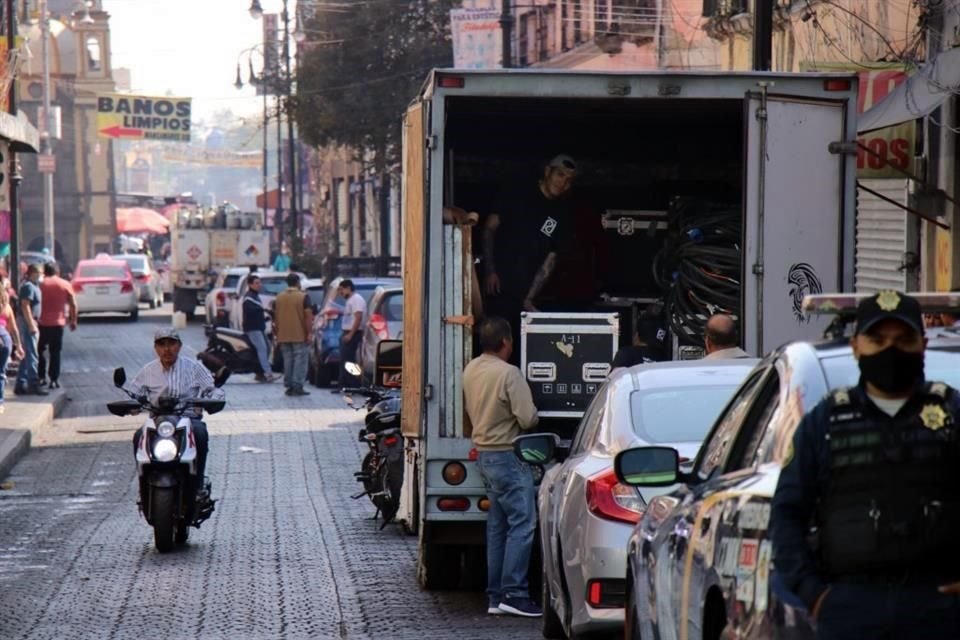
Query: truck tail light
[
  {"x": 606, "y": 594},
  {"x": 837, "y": 84},
  {"x": 126, "y": 286},
  {"x": 484, "y": 503},
  {"x": 453, "y": 504},
  {"x": 379, "y": 325},
  {"x": 221, "y": 299},
  {"x": 451, "y": 82},
  {"x": 610, "y": 500},
  {"x": 454, "y": 473}
]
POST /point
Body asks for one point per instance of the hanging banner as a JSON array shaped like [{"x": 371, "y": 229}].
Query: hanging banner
[
  {"x": 895, "y": 144},
  {"x": 143, "y": 117}
]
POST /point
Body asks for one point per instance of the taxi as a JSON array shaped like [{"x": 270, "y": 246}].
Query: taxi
[
  {"x": 700, "y": 562},
  {"x": 106, "y": 285}
]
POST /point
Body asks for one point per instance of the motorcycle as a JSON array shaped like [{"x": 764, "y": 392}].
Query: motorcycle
[
  {"x": 166, "y": 459},
  {"x": 229, "y": 348},
  {"x": 381, "y": 470}
]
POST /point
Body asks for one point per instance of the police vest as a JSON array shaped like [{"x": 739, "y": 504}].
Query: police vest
[{"x": 891, "y": 505}]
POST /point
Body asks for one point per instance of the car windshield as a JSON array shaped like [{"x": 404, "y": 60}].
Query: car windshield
[
  {"x": 230, "y": 281},
  {"x": 273, "y": 286},
  {"x": 136, "y": 263},
  {"x": 392, "y": 308},
  {"x": 677, "y": 414},
  {"x": 943, "y": 366},
  {"x": 100, "y": 271}
]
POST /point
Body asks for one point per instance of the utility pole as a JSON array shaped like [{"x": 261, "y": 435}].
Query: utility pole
[
  {"x": 506, "y": 30},
  {"x": 266, "y": 122},
  {"x": 10, "y": 9},
  {"x": 762, "y": 34},
  {"x": 47, "y": 134},
  {"x": 295, "y": 249}
]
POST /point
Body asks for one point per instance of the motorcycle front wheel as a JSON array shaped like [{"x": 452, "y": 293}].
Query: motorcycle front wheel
[{"x": 161, "y": 512}]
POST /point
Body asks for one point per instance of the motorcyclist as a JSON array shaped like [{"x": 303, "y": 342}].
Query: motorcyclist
[{"x": 171, "y": 376}]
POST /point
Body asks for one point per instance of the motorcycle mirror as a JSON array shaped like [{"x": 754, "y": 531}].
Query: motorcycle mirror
[
  {"x": 353, "y": 368},
  {"x": 119, "y": 377},
  {"x": 221, "y": 377}
]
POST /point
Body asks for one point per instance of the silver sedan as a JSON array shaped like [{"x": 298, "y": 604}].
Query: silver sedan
[{"x": 586, "y": 515}]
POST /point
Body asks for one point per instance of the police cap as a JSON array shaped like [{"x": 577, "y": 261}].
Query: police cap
[{"x": 889, "y": 305}]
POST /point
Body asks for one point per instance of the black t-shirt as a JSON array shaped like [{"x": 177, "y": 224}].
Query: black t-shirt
[
  {"x": 531, "y": 226},
  {"x": 629, "y": 356}
]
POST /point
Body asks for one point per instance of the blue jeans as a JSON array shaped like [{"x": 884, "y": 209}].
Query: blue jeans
[
  {"x": 888, "y": 612},
  {"x": 6, "y": 348},
  {"x": 295, "y": 356},
  {"x": 27, "y": 373},
  {"x": 510, "y": 523},
  {"x": 259, "y": 341}
]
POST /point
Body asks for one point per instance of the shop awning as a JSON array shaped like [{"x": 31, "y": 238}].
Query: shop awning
[
  {"x": 140, "y": 220},
  {"x": 918, "y": 96},
  {"x": 23, "y": 136},
  {"x": 272, "y": 198}
]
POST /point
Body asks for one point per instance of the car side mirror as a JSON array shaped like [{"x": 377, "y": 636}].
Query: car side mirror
[
  {"x": 536, "y": 448},
  {"x": 119, "y": 377},
  {"x": 388, "y": 365},
  {"x": 648, "y": 467}
]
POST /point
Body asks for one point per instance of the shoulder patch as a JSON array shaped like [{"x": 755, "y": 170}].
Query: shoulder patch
[
  {"x": 841, "y": 396},
  {"x": 938, "y": 389}
]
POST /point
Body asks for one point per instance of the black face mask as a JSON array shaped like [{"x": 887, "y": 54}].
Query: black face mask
[{"x": 892, "y": 370}]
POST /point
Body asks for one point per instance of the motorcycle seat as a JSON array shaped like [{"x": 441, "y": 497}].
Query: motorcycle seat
[{"x": 226, "y": 331}]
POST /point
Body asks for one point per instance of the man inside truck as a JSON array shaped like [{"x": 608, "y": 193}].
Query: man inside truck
[{"x": 522, "y": 238}]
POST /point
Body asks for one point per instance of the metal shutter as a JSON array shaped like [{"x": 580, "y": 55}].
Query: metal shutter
[{"x": 881, "y": 237}]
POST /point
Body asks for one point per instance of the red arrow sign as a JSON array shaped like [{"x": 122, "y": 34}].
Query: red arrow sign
[{"x": 116, "y": 131}]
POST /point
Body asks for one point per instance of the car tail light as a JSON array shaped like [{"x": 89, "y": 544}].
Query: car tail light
[
  {"x": 126, "y": 287},
  {"x": 142, "y": 277},
  {"x": 607, "y": 594},
  {"x": 391, "y": 440},
  {"x": 454, "y": 473},
  {"x": 77, "y": 286},
  {"x": 611, "y": 500},
  {"x": 453, "y": 504},
  {"x": 379, "y": 325},
  {"x": 221, "y": 299}
]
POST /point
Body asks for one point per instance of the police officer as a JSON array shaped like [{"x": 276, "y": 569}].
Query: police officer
[{"x": 876, "y": 468}]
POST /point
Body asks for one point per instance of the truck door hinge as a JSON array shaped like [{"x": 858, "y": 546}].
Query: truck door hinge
[
  {"x": 431, "y": 142},
  {"x": 428, "y": 392}
]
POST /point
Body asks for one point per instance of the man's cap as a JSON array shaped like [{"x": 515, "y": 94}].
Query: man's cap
[
  {"x": 563, "y": 161},
  {"x": 889, "y": 305},
  {"x": 167, "y": 334}
]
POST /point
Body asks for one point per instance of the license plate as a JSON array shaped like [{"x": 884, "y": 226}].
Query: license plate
[{"x": 102, "y": 291}]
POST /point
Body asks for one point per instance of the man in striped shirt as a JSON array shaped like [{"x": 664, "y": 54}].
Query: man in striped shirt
[{"x": 172, "y": 376}]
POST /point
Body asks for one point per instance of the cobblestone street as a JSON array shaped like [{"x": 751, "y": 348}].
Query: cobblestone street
[{"x": 287, "y": 554}]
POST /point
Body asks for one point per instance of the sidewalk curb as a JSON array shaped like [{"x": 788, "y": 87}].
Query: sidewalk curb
[{"x": 15, "y": 443}]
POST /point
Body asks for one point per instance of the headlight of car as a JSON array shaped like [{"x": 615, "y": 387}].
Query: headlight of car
[
  {"x": 165, "y": 429},
  {"x": 164, "y": 450}
]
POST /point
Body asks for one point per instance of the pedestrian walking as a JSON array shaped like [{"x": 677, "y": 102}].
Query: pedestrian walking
[
  {"x": 876, "y": 469},
  {"x": 500, "y": 405},
  {"x": 58, "y": 308},
  {"x": 353, "y": 315},
  {"x": 255, "y": 326},
  {"x": 720, "y": 340},
  {"x": 9, "y": 339},
  {"x": 28, "y": 316},
  {"x": 293, "y": 317}
]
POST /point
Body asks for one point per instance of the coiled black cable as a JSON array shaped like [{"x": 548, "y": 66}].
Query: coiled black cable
[{"x": 699, "y": 266}]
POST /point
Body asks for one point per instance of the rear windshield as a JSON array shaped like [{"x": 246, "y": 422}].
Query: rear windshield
[
  {"x": 273, "y": 286},
  {"x": 392, "y": 308},
  {"x": 941, "y": 366},
  {"x": 101, "y": 271},
  {"x": 316, "y": 295},
  {"x": 136, "y": 263},
  {"x": 230, "y": 282},
  {"x": 679, "y": 414}
]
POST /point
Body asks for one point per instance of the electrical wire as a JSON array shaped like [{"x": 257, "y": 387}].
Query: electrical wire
[{"x": 698, "y": 268}]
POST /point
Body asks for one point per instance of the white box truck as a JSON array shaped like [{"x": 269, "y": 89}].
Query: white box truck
[{"x": 756, "y": 144}]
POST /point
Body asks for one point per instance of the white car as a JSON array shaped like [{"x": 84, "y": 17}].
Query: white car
[
  {"x": 146, "y": 276},
  {"x": 219, "y": 301},
  {"x": 273, "y": 283},
  {"x": 105, "y": 285}
]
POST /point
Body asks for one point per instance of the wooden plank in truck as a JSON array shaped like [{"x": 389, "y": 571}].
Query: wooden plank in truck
[{"x": 414, "y": 271}]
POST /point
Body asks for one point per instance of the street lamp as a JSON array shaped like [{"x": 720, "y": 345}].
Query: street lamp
[{"x": 256, "y": 11}]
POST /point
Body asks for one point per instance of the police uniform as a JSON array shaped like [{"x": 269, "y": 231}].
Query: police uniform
[{"x": 884, "y": 494}]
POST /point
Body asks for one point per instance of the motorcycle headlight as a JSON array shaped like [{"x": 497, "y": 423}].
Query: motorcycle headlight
[
  {"x": 165, "y": 450},
  {"x": 165, "y": 429}
]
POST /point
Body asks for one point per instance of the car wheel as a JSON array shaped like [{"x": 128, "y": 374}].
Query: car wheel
[
  {"x": 135, "y": 314},
  {"x": 153, "y": 303},
  {"x": 550, "y": 625}
]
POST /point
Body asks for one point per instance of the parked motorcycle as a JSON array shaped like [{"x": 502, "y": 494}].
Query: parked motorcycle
[
  {"x": 381, "y": 470},
  {"x": 229, "y": 348},
  {"x": 167, "y": 462}
]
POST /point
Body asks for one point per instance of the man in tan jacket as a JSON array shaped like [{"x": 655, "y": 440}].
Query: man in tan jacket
[
  {"x": 293, "y": 318},
  {"x": 500, "y": 405}
]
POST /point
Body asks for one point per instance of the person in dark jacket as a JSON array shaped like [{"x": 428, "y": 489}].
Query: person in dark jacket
[
  {"x": 876, "y": 469},
  {"x": 255, "y": 326}
]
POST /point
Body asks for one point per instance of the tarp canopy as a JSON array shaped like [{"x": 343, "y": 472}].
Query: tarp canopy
[
  {"x": 140, "y": 220},
  {"x": 919, "y": 95}
]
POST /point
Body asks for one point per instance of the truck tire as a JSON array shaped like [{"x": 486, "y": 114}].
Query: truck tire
[{"x": 438, "y": 567}]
